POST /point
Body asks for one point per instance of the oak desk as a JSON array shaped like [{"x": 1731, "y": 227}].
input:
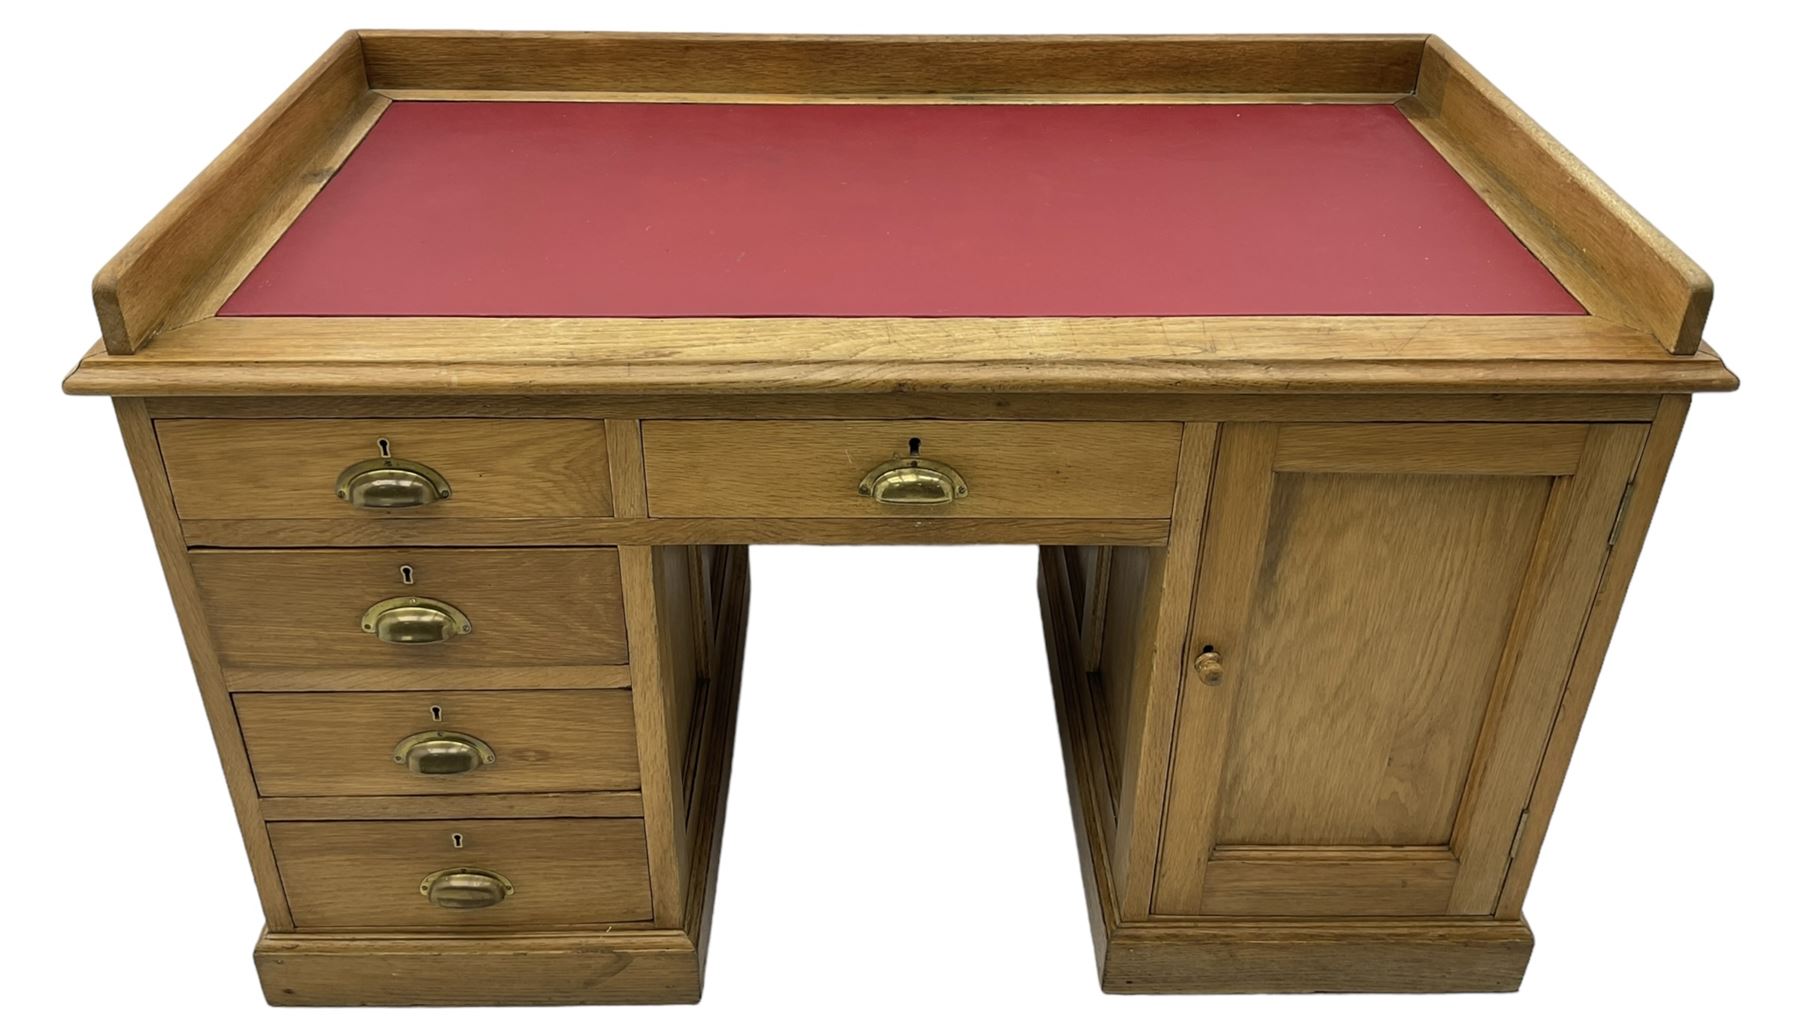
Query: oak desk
[{"x": 1336, "y": 392}]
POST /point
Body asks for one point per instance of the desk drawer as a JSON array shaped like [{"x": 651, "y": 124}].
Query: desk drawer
[
  {"x": 290, "y": 468},
  {"x": 427, "y": 743},
  {"x": 367, "y": 874},
  {"x": 308, "y": 607},
  {"x": 818, "y": 468}
]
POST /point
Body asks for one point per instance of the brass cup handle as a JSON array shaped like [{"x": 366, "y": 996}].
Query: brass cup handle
[
  {"x": 465, "y": 888},
  {"x": 442, "y": 752},
  {"x": 1209, "y": 666},
  {"x": 391, "y": 484},
  {"x": 913, "y": 481},
  {"x": 415, "y": 621}
]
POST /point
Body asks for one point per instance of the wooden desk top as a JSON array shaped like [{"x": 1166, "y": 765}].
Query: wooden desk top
[{"x": 699, "y": 214}]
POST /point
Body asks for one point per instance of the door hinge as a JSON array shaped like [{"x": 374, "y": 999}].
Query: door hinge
[
  {"x": 1619, "y": 517},
  {"x": 1518, "y": 835}
]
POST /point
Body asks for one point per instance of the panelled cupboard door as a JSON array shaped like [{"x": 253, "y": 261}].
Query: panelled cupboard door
[{"x": 1394, "y": 609}]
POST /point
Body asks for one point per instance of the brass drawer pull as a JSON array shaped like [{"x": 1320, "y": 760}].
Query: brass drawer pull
[
  {"x": 415, "y": 621},
  {"x": 442, "y": 752},
  {"x": 391, "y": 484},
  {"x": 1209, "y": 666},
  {"x": 465, "y": 888},
  {"x": 913, "y": 481}
]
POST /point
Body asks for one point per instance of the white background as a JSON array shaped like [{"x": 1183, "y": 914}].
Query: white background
[{"x": 898, "y": 851}]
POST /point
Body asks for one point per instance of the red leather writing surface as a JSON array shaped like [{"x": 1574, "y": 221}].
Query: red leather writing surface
[{"x": 578, "y": 209}]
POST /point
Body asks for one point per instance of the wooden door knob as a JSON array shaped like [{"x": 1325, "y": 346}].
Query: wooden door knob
[{"x": 1210, "y": 667}]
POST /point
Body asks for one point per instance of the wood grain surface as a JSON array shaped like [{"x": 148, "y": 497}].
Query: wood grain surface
[
  {"x": 1250, "y": 954},
  {"x": 1366, "y": 732},
  {"x": 366, "y": 874},
  {"x": 302, "y": 607},
  {"x": 812, "y": 469},
  {"x": 288, "y": 469},
  {"x": 1394, "y": 645},
  {"x": 779, "y": 64},
  {"x": 478, "y": 970},
  {"x": 1203, "y": 408},
  {"x": 1219, "y": 355},
  {"x": 342, "y": 743}
]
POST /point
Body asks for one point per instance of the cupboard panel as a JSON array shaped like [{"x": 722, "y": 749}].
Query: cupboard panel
[
  {"x": 1381, "y": 610},
  {"x": 1383, "y": 625}
]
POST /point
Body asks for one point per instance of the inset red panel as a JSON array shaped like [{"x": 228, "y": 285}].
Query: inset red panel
[{"x": 599, "y": 209}]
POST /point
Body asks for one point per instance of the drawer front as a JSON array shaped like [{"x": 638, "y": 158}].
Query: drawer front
[
  {"x": 425, "y": 743},
  {"x": 367, "y": 874},
  {"x": 305, "y": 607},
  {"x": 815, "y": 468},
  {"x": 290, "y": 468}
]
